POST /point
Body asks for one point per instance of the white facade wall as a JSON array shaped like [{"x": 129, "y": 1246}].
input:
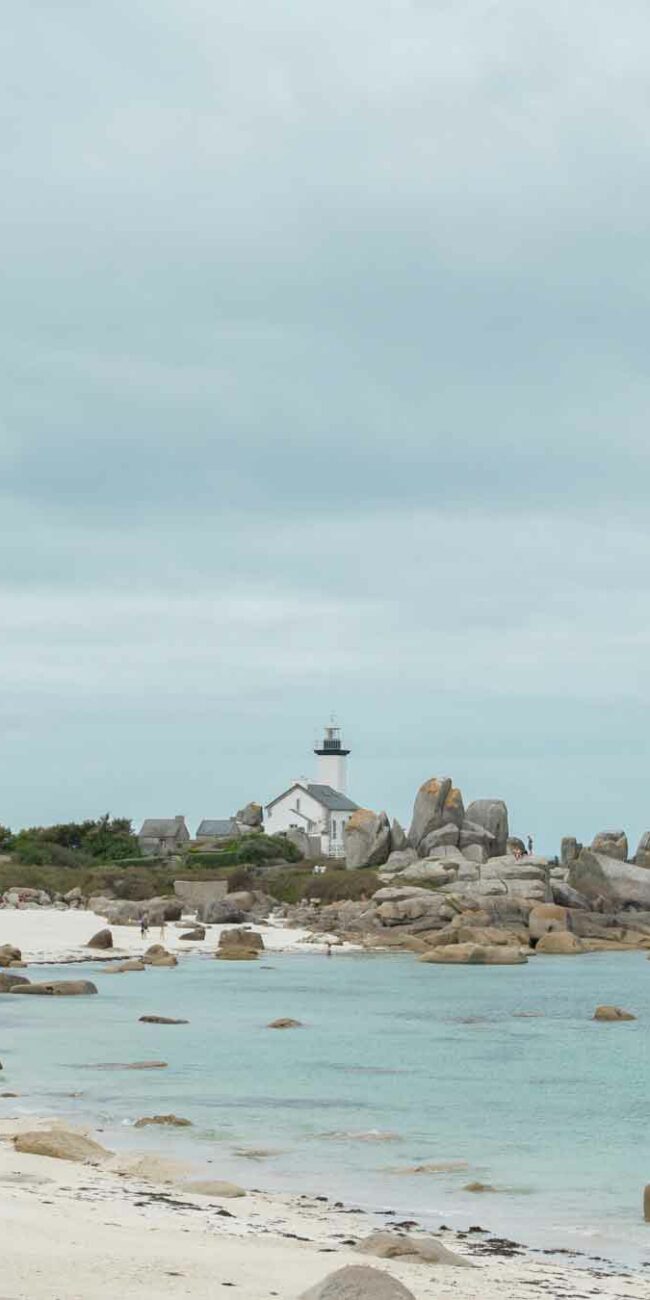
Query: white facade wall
[
  {"x": 333, "y": 771},
  {"x": 299, "y": 809}
]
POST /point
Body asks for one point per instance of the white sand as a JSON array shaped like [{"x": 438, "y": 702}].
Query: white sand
[
  {"x": 68, "y": 1232},
  {"x": 45, "y": 934},
  {"x": 73, "y": 1233}
]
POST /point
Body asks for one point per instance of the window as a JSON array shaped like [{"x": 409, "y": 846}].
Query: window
[{"x": 298, "y": 804}]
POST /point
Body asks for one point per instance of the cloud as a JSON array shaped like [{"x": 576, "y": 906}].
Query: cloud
[{"x": 325, "y": 387}]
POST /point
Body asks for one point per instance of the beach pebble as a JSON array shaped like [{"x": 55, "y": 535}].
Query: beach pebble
[{"x": 358, "y": 1282}]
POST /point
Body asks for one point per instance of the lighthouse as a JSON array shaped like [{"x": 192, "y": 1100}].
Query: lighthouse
[{"x": 333, "y": 760}]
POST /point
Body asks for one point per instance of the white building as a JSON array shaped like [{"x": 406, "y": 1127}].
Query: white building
[{"x": 320, "y": 808}]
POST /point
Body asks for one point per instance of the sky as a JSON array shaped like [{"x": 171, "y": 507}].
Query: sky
[{"x": 325, "y": 391}]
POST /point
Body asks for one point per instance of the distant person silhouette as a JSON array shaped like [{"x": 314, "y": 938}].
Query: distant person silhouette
[{"x": 530, "y": 843}]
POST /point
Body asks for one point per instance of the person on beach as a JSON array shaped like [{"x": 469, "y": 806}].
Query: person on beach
[
  {"x": 328, "y": 950},
  {"x": 162, "y": 929},
  {"x": 144, "y": 927}
]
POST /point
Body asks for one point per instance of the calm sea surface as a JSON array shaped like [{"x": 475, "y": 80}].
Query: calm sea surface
[{"x": 501, "y": 1068}]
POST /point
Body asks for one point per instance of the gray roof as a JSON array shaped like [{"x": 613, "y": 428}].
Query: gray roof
[
  {"x": 224, "y": 826},
  {"x": 160, "y": 828},
  {"x": 332, "y": 799}
]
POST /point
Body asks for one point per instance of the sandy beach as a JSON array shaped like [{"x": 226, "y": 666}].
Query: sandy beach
[{"x": 75, "y": 1232}]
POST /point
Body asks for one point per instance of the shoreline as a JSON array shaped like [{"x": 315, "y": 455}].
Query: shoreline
[
  {"x": 95, "y": 1230},
  {"x": 95, "y": 1233}
]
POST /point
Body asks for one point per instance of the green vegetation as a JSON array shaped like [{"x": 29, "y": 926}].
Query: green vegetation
[
  {"x": 335, "y": 886},
  {"x": 73, "y": 844},
  {"x": 250, "y": 850}
]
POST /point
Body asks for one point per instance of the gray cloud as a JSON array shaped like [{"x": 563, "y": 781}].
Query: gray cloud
[{"x": 325, "y": 387}]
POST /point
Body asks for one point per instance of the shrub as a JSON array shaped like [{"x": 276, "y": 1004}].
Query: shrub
[{"x": 337, "y": 884}]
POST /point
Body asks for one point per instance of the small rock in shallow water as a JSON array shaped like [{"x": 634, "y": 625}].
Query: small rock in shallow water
[
  {"x": 284, "y": 1022},
  {"x": 612, "y": 1014},
  {"x": 479, "y": 1187},
  {"x": 162, "y": 1020},
  {"x": 173, "y": 1121}
]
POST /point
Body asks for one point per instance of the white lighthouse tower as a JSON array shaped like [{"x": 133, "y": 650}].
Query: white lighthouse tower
[{"x": 333, "y": 760}]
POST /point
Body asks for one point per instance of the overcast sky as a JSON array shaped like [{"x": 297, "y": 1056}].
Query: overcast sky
[{"x": 325, "y": 389}]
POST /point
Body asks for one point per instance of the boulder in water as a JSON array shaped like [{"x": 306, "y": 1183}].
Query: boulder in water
[
  {"x": 612, "y": 1014},
  {"x": 56, "y": 988},
  {"x": 560, "y": 943}
]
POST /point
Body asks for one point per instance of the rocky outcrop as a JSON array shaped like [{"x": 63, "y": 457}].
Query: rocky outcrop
[
  {"x": 399, "y": 859},
  {"x": 437, "y": 803},
  {"x": 612, "y": 843},
  {"x": 103, "y": 939},
  {"x": 61, "y": 1144},
  {"x": 358, "y": 1283},
  {"x": 618, "y": 884},
  {"x": 565, "y": 896},
  {"x": 301, "y": 840},
  {"x": 446, "y": 836},
  {"x": 492, "y": 815},
  {"x": 547, "y": 918},
  {"x": 250, "y": 817},
  {"x": 642, "y": 855},
  {"x": 398, "y": 837},
  {"x": 367, "y": 839},
  {"x": 242, "y": 905},
  {"x": 570, "y": 849}
]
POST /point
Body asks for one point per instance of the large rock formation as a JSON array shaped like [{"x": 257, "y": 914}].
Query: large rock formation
[
  {"x": 250, "y": 817},
  {"x": 570, "y": 849},
  {"x": 492, "y": 815},
  {"x": 436, "y": 803},
  {"x": 642, "y": 855},
  {"x": 367, "y": 839},
  {"x": 612, "y": 843},
  {"x": 618, "y": 884}
]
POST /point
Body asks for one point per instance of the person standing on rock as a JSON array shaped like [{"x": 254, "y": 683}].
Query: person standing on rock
[{"x": 530, "y": 843}]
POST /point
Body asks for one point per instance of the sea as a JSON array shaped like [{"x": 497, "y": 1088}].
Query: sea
[{"x": 403, "y": 1084}]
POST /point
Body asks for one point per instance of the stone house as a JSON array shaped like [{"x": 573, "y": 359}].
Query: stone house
[{"x": 163, "y": 836}]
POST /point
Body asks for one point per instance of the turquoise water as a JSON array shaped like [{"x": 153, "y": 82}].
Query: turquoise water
[{"x": 550, "y": 1108}]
